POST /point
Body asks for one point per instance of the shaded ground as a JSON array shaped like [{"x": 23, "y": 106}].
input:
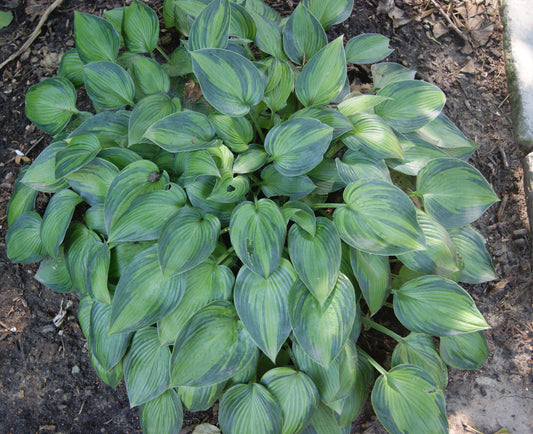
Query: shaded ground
[{"x": 46, "y": 381}]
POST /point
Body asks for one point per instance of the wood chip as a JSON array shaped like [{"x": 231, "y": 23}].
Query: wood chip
[{"x": 469, "y": 68}]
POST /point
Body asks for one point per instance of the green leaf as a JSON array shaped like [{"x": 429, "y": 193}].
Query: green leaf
[
  {"x": 331, "y": 117},
  {"x": 276, "y": 184},
  {"x": 200, "y": 398},
  {"x": 51, "y": 103},
  {"x": 96, "y": 39},
  {"x": 237, "y": 133},
  {"x": 5, "y": 18},
  {"x": 198, "y": 193},
  {"x": 80, "y": 244},
  {"x": 330, "y": 12},
  {"x": 115, "y": 18},
  {"x": 148, "y": 111},
  {"x": 408, "y": 400},
  {"x": 322, "y": 330},
  {"x": 357, "y": 165},
  {"x": 247, "y": 408},
  {"x": 107, "y": 349},
  {"x": 56, "y": 220},
  {"x": 215, "y": 333},
  {"x": 203, "y": 284},
  {"x": 163, "y": 414},
  {"x": 466, "y": 351},
  {"x": 71, "y": 67},
  {"x": 418, "y": 349},
  {"x": 140, "y": 27},
  {"x": 111, "y": 128},
  {"x": 316, "y": 258},
  {"x": 144, "y": 295},
  {"x": 54, "y": 274},
  {"x": 182, "y": 132},
  {"x": 297, "y": 145},
  {"x": 242, "y": 23},
  {"x": 412, "y": 104},
  {"x": 135, "y": 179},
  {"x": 211, "y": 28},
  {"x": 229, "y": 189},
  {"x": 250, "y": 160},
  {"x": 149, "y": 77},
  {"x": 295, "y": 393},
  {"x": 80, "y": 151},
  {"x": 324, "y": 420},
  {"x": 455, "y": 193},
  {"x": 477, "y": 263},
  {"x": 187, "y": 239},
  {"x": 280, "y": 83},
  {"x": 268, "y": 35},
  {"x": 146, "y": 367},
  {"x": 92, "y": 180},
  {"x": 257, "y": 232},
  {"x": 22, "y": 199},
  {"x": 180, "y": 63},
  {"x": 373, "y": 136},
  {"x": 97, "y": 275},
  {"x": 229, "y": 82},
  {"x": 23, "y": 239},
  {"x": 108, "y": 85},
  {"x": 122, "y": 254},
  {"x": 95, "y": 218},
  {"x": 437, "y": 306},
  {"x": 303, "y": 35},
  {"x": 378, "y": 218},
  {"x": 112, "y": 377},
  {"x": 195, "y": 164},
  {"x": 301, "y": 214},
  {"x": 262, "y": 306},
  {"x": 41, "y": 174},
  {"x": 385, "y": 73},
  {"x": 260, "y": 7},
  {"x": 373, "y": 275},
  {"x": 359, "y": 103},
  {"x": 147, "y": 215},
  {"x": 323, "y": 77},
  {"x": 367, "y": 48}
]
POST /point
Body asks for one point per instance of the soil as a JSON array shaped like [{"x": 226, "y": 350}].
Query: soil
[{"x": 46, "y": 381}]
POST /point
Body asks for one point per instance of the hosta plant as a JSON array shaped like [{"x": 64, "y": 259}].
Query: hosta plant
[{"x": 232, "y": 214}]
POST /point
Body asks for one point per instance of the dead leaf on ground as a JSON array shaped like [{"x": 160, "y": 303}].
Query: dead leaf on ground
[
  {"x": 482, "y": 36},
  {"x": 439, "y": 29},
  {"x": 469, "y": 68}
]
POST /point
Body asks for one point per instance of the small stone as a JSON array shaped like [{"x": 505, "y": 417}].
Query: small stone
[
  {"x": 75, "y": 370},
  {"x": 47, "y": 329}
]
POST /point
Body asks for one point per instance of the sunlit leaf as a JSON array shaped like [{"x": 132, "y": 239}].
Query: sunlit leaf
[
  {"x": 330, "y": 12},
  {"x": 385, "y": 73},
  {"x": 466, "y": 351},
  {"x": 96, "y": 39},
  {"x": 367, "y": 48},
  {"x": 80, "y": 151}
]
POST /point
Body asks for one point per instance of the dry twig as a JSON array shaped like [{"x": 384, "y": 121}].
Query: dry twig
[
  {"x": 34, "y": 34},
  {"x": 451, "y": 24}
]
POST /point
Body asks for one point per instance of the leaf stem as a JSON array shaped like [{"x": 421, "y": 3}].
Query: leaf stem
[
  {"x": 382, "y": 329},
  {"x": 389, "y": 305},
  {"x": 327, "y": 205},
  {"x": 336, "y": 148},
  {"x": 160, "y": 51},
  {"x": 228, "y": 253},
  {"x": 255, "y": 121},
  {"x": 376, "y": 365}
]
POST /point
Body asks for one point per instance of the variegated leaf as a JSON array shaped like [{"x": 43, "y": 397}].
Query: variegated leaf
[
  {"x": 211, "y": 28},
  {"x": 466, "y": 351},
  {"x": 367, "y": 48},
  {"x": 163, "y": 414},
  {"x": 140, "y": 27},
  {"x": 96, "y": 39},
  {"x": 23, "y": 239},
  {"x": 330, "y": 12},
  {"x": 108, "y": 85}
]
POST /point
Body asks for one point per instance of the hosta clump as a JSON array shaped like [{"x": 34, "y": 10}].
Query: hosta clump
[{"x": 232, "y": 216}]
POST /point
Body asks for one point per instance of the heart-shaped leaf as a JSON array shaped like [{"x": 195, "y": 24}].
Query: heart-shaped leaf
[
  {"x": 203, "y": 284},
  {"x": 51, "y": 103},
  {"x": 162, "y": 414},
  {"x": 96, "y": 39},
  {"x": 317, "y": 259},
  {"x": 367, "y": 48},
  {"x": 323, "y": 77},
  {"x": 237, "y": 133},
  {"x": 296, "y": 395},
  {"x": 229, "y": 81},
  {"x": 303, "y": 35},
  {"x": 407, "y": 399},
  {"x": 439, "y": 182},
  {"x": 466, "y": 351},
  {"x": 23, "y": 239},
  {"x": 411, "y": 104},
  {"x": 108, "y": 85},
  {"x": 144, "y": 295},
  {"x": 257, "y": 232},
  {"x": 54, "y": 274},
  {"x": 378, "y": 218},
  {"x": 249, "y": 408},
  {"x": 57, "y": 218},
  {"x": 322, "y": 330},
  {"x": 330, "y": 12},
  {"x": 214, "y": 332},
  {"x": 297, "y": 145},
  {"x": 418, "y": 349},
  {"x": 262, "y": 306},
  {"x": 140, "y": 28},
  {"x": 187, "y": 239},
  {"x": 146, "y": 367},
  {"x": 211, "y": 28},
  {"x": 437, "y": 306},
  {"x": 181, "y": 132},
  {"x": 477, "y": 264}
]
